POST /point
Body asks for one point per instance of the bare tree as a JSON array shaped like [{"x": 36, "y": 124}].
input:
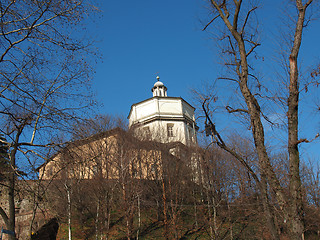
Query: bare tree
[
  {"x": 241, "y": 38},
  {"x": 100, "y": 123},
  {"x": 310, "y": 176},
  {"x": 43, "y": 74}
]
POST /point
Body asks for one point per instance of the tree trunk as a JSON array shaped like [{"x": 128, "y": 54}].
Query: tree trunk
[
  {"x": 12, "y": 215},
  {"x": 69, "y": 210},
  {"x": 295, "y": 210},
  {"x": 139, "y": 218},
  {"x": 97, "y": 220},
  {"x": 267, "y": 209},
  {"x": 164, "y": 201},
  {"x": 12, "y": 185},
  {"x": 290, "y": 204}
]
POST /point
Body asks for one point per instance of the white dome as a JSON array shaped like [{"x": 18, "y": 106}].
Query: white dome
[{"x": 158, "y": 84}]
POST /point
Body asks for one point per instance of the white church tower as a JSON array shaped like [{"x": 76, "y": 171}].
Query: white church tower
[{"x": 164, "y": 119}]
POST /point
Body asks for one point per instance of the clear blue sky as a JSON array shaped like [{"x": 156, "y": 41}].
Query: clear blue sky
[{"x": 142, "y": 39}]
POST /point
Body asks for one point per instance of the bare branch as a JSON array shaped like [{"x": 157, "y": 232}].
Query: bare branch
[
  {"x": 210, "y": 23},
  {"x": 4, "y": 216},
  {"x": 232, "y": 110},
  {"x": 230, "y": 79},
  {"x": 236, "y": 14},
  {"x": 252, "y": 48},
  {"x": 246, "y": 19},
  {"x": 304, "y": 140},
  {"x": 222, "y": 144}
]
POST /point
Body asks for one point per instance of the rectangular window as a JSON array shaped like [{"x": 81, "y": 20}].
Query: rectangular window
[
  {"x": 170, "y": 129},
  {"x": 146, "y": 133},
  {"x": 190, "y": 133}
]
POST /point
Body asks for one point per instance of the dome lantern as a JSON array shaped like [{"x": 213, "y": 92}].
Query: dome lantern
[{"x": 159, "y": 90}]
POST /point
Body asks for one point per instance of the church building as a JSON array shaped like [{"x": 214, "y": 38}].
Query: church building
[
  {"x": 164, "y": 119},
  {"x": 167, "y": 120}
]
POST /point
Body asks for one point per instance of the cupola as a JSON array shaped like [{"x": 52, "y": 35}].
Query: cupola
[{"x": 159, "y": 89}]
